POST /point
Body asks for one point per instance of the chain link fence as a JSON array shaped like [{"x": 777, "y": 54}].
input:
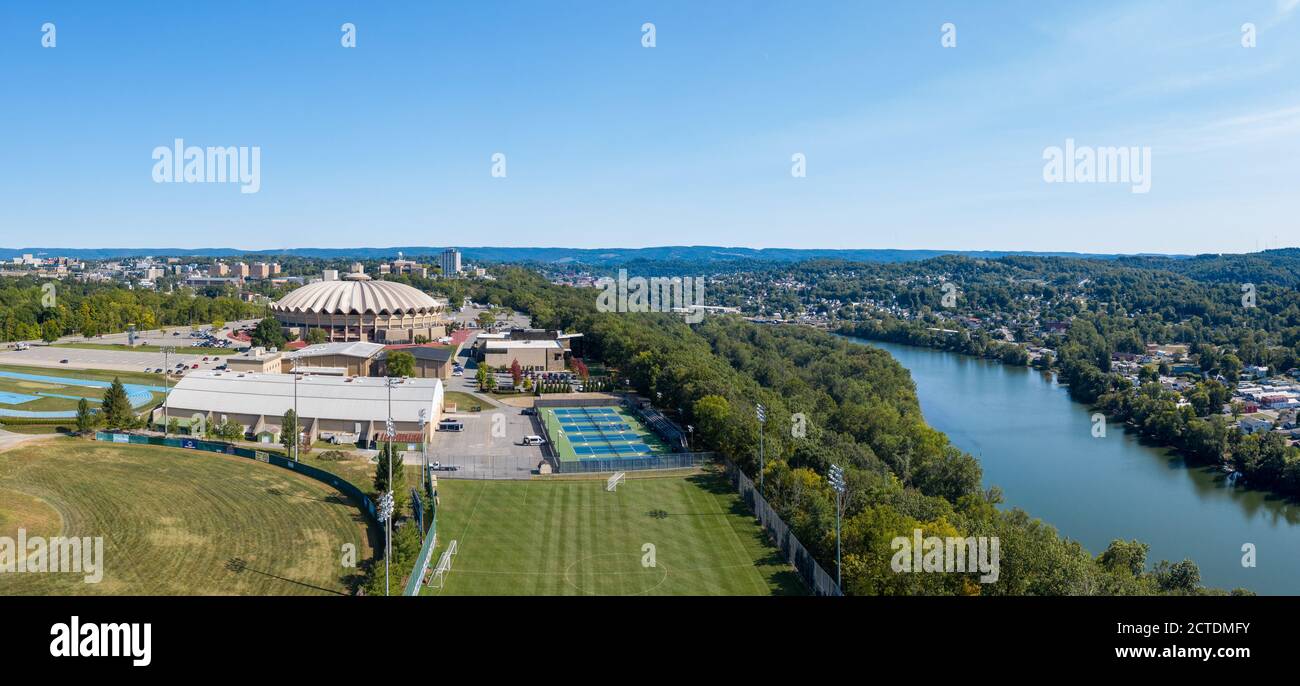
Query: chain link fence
[{"x": 794, "y": 552}]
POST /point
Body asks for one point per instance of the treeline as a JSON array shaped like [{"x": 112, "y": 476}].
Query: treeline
[
  {"x": 37, "y": 309},
  {"x": 832, "y": 402},
  {"x": 967, "y": 342},
  {"x": 1198, "y": 428}
]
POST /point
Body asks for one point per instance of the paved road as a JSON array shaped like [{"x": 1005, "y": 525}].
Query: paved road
[{"x": 10, "y": 440}]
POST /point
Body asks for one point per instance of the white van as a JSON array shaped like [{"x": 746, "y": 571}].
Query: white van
[
  {"x": 450, "y": 425},
  {"x": 533, "y": 440}
]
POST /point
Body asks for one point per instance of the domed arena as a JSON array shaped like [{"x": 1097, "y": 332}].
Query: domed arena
[{"x": 357, "y": 308}]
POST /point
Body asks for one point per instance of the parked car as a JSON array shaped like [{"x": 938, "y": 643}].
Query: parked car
[
  {"x": 529, "y": 410},
  {"x": 533, "y": 440},
  {"x": 63, "y": 361},
  {"x": 196, "y": 366}
]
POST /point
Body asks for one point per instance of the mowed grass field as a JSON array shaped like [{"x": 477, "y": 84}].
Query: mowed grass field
[
  {"x": 572, "y": 537},
  {"x": 179, "y": 522}
]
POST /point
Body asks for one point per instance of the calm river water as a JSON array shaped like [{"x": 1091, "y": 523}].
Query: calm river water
[{"x": 1036, "y": 444}]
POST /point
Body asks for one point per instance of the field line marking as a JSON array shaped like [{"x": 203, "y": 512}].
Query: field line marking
[
  {"x": 735, "y": 538},
  {"x": 468, "y": 520}
]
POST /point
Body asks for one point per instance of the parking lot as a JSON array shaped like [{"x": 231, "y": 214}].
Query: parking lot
[
  {"x": 87, "y": 358},
  {"x": 42, "y": 355},
  {"x": 479, "y": 454}
]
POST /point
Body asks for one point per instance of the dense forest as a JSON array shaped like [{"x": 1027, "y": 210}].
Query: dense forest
[{"x": 862, "y": 414}]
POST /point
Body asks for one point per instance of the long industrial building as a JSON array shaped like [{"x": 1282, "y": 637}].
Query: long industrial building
[{"x": 341, "y": 409}]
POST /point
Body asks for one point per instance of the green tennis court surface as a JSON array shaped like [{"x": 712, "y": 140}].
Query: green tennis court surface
[
  {"x": 574, "y": 537},
  {"x": 599, "y": 433}
]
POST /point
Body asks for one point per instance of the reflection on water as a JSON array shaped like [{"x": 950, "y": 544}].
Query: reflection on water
[{"x": 1037, "y": 445}]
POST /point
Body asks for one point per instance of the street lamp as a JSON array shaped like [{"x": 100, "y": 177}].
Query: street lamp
[
  {"x": 836, "y": 477},
  {"x": 761, "y": 412}
]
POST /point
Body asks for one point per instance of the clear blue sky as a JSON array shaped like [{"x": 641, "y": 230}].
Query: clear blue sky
[{"x": 908, "y": 144}]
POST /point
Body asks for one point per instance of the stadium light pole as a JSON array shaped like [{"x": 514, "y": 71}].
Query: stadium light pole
[
  {"x": 167, "y": 385},
  {"x": 424, "y": 456},
  {"x": 836, "y": 477},
  {"x": 386, "y": 516},
  {"x": 297, "y": 434},
  {"x": 761, "y": 412},
  {"x": 390, "y": 431}
]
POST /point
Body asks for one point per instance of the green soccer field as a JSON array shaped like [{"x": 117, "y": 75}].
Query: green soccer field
[
  {"x": 573, "y": 537},
  {"x": 179, "y": 522}
]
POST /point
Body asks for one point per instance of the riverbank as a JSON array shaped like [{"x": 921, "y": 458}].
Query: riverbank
[
  {"x": 1263, "y": 462},
  {"x": 1037, "y": 444}
]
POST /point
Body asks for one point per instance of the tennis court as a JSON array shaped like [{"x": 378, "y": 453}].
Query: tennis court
[{"x": 599, "y": 432}]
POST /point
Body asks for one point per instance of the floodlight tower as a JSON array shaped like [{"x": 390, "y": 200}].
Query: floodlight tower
[
  {"x": 167, "y": 350},
  {"x": 390, "y": 431},
  {"x": 836, "y": 478},
  {"x": 424, "y": 453},
  {"x": 297, "y": 433},
  {"x": 761, "y": 412}
]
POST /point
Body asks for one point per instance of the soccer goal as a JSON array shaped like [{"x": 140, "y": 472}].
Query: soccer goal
[
  {"x": 612, "y": 484},
  {"x": 444, "y": 566}
]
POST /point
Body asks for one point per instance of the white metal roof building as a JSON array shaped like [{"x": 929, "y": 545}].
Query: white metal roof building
[{"x": 326, "y": 405}]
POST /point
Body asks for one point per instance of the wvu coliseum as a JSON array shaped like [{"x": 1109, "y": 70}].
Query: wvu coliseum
[{"x": 357, "y": 308}]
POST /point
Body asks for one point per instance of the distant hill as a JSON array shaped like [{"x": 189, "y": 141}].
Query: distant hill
[{"x": 587, "y": 256}]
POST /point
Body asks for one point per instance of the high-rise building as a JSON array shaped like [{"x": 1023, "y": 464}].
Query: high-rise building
[{"x": 449, "y": 262}]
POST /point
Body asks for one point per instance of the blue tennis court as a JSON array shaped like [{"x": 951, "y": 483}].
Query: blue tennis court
[{"x": 599, "y": 432}]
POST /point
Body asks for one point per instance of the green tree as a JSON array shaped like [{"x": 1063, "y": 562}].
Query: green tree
[
  {"x": 85, "y": 417},
  {"x": 50, "y": 330},
  {"x": 398, "y": 484},
  {"x": 289, "y": 430},
  {"x": 316, "y": 336},
  {"x": 116, "y": 407},
  {"x": 401, "y": 363},
  {"x": 268, "y": 334}
]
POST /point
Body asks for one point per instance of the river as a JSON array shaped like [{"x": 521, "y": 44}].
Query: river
[{"x": 1036, "y": 443}]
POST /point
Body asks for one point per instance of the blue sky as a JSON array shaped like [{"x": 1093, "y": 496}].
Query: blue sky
[{"x": 608, "y": 143}]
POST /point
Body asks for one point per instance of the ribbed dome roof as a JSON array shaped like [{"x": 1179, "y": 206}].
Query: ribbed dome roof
[{"x": 355, "y": 297}]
